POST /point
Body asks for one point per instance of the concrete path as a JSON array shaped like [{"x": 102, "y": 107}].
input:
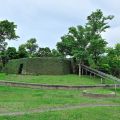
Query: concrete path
[
  {"x": 45, "y": 86},
  {"x": 66, "y": 107}
]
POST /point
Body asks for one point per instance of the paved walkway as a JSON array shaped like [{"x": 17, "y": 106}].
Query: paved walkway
[
  {"x": 58, "y": 109},
  {"x": 45, "y": 86}
]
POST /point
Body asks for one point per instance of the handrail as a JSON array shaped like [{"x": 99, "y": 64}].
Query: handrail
[{"x": 99, "y": 73}]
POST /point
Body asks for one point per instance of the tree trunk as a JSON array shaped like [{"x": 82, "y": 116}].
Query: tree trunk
[
  {"x": 74, "y": 65},
  {"x": 80, "y": 68}
]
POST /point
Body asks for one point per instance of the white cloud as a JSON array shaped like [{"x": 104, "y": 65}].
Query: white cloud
[
  {"x": 112, "y": 35},
  {"x": 48, "y": 20}
]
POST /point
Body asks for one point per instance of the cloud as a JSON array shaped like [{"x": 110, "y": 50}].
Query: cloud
[
  {"x": 112, "y": 36},
  {"x": 48, "y": 20}
]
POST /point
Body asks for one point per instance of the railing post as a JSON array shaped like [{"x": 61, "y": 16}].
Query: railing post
[
  {"x": 101, "y": 81},
  {"x": 90, "y": 74},
  {"x": 86, "y": 71},
  {"x": 94, "y": 75},
  {"x": 115, "y": 89}
]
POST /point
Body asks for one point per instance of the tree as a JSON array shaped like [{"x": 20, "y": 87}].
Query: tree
[
  {"x": 22, "y": 53},
  {"x": 65, "y": 48},
  {"x": 75, "y": 45},
  {"x": 8, "y": 54},
  {"x": 117, "y": 49},
  {"x": 80, "y": 46},
  {"x": 86, "y": 43},
  {"x": 55, "y": 53},
  {"x": 4, "y": 58},
  {"x": 3, "y": 45},
  {"x": 114, "y": 60},
  {"x": 7, "y": 32},
  {"x": 104, "y": 65},
  {"x": 97, "y": 48},
  {"x": 11, "y": 53},
  {"x": 66, "y": 45},
  {"x": 97, "y": 23},
  {"x": 110, "y": 62},
  {"x": 31, "y": 46},
  {"x": 44, "y": 52}
]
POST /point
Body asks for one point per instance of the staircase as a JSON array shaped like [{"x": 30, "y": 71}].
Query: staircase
[{"x": 100, "y": 74}]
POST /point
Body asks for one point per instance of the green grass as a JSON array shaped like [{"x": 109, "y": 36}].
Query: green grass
[
  {"x": 58, "y": 79},
  {"x": 23, "y": 99},
  {"x": 15, "y": 99},
  {"x": 95, "y": 113}
]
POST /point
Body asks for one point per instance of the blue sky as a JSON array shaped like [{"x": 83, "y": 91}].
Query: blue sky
[{"x": 48, "y": 20}]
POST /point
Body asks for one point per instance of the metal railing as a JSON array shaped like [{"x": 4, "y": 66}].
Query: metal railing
[{"x": 99, "y": 73}]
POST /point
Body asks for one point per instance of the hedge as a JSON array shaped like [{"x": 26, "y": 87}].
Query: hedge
[{"x": 42, "y": 66}]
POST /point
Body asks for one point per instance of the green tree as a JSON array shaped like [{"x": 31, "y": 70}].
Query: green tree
[
  {"x": 22, "y": 53},
  {"x": 44, "y": 52},
  {"x": 75, "y": 45},
  {"x": 117, "y": 49},
  {"x": 80, "y": 45},
  {"x": 86, "y": 43},
  {"x": 31, "y": 46},
  {"x": 66, "y": 45},
  {"x": 97, "y": 24},
  {"x": 114, "y": 60},
  {"x": 7, "y": 32},
  {"x": 97, "y": 48},
  {"x": 11, "y": 53},
  {"x": 3, "y": 57},
  {"x": 8, "y": 54},
  {"x": 55, "y": 53}
]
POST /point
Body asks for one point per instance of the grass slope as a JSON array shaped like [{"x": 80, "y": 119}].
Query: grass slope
[{"x": 49, "y": 79}]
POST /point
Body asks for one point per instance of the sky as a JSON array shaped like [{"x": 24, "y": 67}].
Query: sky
[{"x": 48, "y": 20}]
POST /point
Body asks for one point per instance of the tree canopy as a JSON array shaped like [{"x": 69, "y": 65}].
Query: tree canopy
[
  {"x": 7, "y": 32},
  {"x": 31, "y": 46},
  {"x": 85, "y": 42}
]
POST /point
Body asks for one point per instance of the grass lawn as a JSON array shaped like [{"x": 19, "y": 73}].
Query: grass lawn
[
  {"x": 58, "y": 79},
  {"x": 95, "y": 113},
  {"x": 23, "y": 99},
  {"x": 16, "y": 99}
]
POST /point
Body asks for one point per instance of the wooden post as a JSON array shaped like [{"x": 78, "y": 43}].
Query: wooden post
[
  {"x": 101, "y": 81},
  {"x": 90, "y": 74},
  {"x": 115, "y": 89},
  {"x": 94, "y": 75},
  {"x": 86, "y": 71}
]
